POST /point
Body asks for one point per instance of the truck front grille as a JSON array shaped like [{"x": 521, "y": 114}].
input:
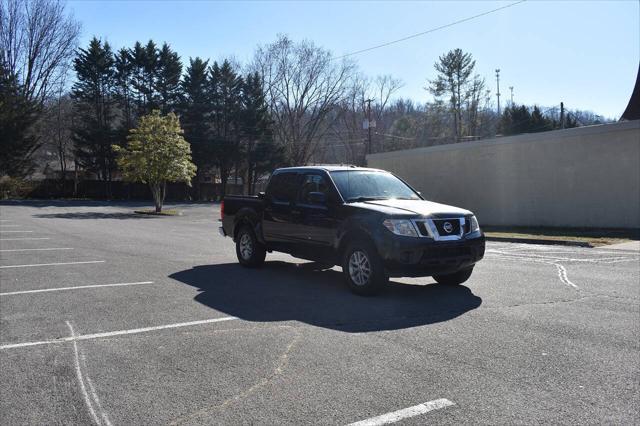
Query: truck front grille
[
  {"x": 442, "y": 229},
  {"x": 422, "y": 227},
  {"x": 447, "y": 227}
]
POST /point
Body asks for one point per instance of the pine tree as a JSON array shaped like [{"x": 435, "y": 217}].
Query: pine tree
[
  {"x": 124, "y": 94},
  {"x": 259, "y": 148},
  {"x": 17, "y": 117},
  {"x": 195, "y": 109},
  {"x": 94, "y": 128},
  {"x": 168, "y": 71},
  {"x": 147, "y": 78},
  {"x": 455, "y": 71},
  {"x": 225, "y": 89},
  {"x": 517, "y": 119},
  {"x": 144, "y": 60},
  {"x": 539, "y": 123}
]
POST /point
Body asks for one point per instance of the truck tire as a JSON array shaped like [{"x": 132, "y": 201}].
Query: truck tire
[
  {"x": 250, "y": 252},
  {"x": 456, "y": 278},
  {"x": 363, "y": 269}
]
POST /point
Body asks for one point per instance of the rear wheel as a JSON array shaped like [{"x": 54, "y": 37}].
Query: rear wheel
[
  {"x": 363, "y": 270},
  {"x": 455, "y": 278},
  {"x": 249, "y": 251}
]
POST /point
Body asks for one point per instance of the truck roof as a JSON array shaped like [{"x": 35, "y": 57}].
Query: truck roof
[{"x": 328, "y": 168}]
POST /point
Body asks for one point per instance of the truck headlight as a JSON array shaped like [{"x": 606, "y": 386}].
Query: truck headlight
[
  {"x": 474, "y": 226},
  {"x": 400, "y": 227}
]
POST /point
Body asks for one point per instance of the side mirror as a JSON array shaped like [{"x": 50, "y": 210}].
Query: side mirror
[
  {"x": 317, "y": 198},
  {"x": 261, "y": 195}
]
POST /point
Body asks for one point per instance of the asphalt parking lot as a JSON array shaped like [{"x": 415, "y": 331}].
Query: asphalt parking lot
[{"x": 108, "y": 317}]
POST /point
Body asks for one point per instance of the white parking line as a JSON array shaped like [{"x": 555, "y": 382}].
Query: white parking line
[
  {"x": 602, "y": 250},
  {"x": 405, "y": 413},
  {"x": 46, "y": 290},
  {"x": 526, "y": 256},
  {"x": 36, "y": 249},
  {"x": 636, "y": 259},
  {"x": 27, "y": 238},
  {"x": 116, "y": 333},
  {"x": 14, "y": 232},
  {"x": 52, "y": 264},
  {"x": 562, "y": 271}
]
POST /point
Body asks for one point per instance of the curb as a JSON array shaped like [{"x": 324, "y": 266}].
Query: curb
[{"x": 540, "y": 241}]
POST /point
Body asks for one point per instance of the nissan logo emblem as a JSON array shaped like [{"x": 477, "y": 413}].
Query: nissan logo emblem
[{"x": 448, "y": 227}]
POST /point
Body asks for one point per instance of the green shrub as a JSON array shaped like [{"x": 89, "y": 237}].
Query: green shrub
[{"x": 11, "y": 187}]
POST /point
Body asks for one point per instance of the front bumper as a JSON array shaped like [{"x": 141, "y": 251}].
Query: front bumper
[{"x": 418, "y": 257}]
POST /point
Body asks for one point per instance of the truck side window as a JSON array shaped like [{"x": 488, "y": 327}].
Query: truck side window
[
  {"x": 283, "y": 187},
  {"x": 313, "y": 183}
]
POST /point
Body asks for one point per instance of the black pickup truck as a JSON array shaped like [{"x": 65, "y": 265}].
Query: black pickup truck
[{"x": 368, "y": 221}]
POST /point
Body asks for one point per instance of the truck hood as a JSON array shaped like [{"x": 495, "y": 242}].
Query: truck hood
[{"x": 414, "y": 207}]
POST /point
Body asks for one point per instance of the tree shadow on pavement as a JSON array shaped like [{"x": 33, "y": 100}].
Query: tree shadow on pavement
[
  {"x": 281, "y": 291},
  {"x": 94, "y": 215},
  {"x": 75, "y": 203}
]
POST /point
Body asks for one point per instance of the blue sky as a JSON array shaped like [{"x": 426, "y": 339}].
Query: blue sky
[{"x": 585, "y": 53}]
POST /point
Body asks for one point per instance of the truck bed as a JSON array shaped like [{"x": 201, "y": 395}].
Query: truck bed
[{"x": 236, "y": 203}]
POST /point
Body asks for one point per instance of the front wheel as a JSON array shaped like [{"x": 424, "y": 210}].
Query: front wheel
[
  {"x": 363, "y": 269},
  {"x": 249, "y": 251},
  {"x": 456, "y": 278}
]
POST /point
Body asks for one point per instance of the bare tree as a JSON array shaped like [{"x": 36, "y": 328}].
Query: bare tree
[
  {"x": 385, "y": 87},
  {"x": 303, "y": 84},
  {"x": 352, "y": 111},
  {"x": 55, "y": 131},
  {"x": 346, "y": 130},
  {"x": 477, "y": 98},
  {"x": 37, "y": 41}
]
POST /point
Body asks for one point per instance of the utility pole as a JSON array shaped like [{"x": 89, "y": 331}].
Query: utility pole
[
  {"x": 562, "y": 115},
  {"x": 368, "y": 125},
  {"x": 498, "y": 92},
  {"x": 511, "y": 89}
]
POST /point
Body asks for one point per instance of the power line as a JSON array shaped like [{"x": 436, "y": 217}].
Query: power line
[{"x": 451, "y": 24}]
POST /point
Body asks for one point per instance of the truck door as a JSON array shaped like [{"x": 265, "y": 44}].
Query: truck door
[
  {"x": 313, "y": 218},
  {"x": 279, "y": 200}
]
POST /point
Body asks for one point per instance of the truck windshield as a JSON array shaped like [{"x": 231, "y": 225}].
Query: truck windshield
[{"x": 363, "y": 185}]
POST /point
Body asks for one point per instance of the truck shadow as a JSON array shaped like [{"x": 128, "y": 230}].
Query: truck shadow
[{"x": 282, "y": 291}]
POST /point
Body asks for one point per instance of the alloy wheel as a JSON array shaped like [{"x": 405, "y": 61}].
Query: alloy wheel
[
  {"x": 246, "y": 246},
  {"x": 359, "y": 268}
]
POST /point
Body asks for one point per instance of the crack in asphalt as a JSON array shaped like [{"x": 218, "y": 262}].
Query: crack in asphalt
[{"x": 280, "y": 366}]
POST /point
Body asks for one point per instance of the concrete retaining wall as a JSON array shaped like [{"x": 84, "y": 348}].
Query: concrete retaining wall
[{"x": 582, "y": 177}]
